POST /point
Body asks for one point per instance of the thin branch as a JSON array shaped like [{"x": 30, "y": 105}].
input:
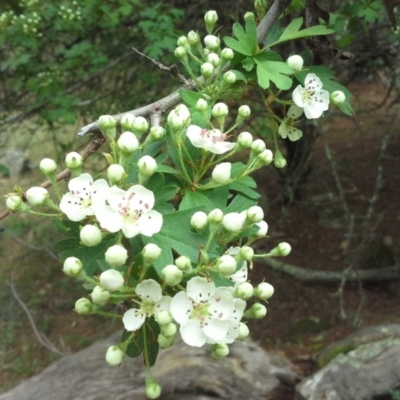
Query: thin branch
[{"x": 42, "y": 339}]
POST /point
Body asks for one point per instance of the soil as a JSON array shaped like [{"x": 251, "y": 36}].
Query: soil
[{"x": 302, "y": 318}]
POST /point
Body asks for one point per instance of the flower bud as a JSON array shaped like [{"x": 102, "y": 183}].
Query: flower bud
[
  {"x": 201, "y": 105},
  {"x": 116, "y": 255},
  {"x": 245, "y": 140},
  {"x": 244, "y": 111},
  {"x": 150, "y": 253},
  {"x": 279, "y": 160},
  {"x": 108, "y": 124},
  {"x": 128, "y": 142},
  {"x": 48, "y": 166},
  {"x": 199, "y": 220},
  {"x": 115, "y": 173},
  {"x": 255, "y": 214},
  {"x": 210, "y": 19},
  {"x": 14, "y": 202},
  {"x": 111, "y": 280},
  {"x": 246, "y": 253},
  {"x": 227, "y": 54},
  {"x": 256, "y": 311},
  {"x": 72, "y": 266},
  {"x": 184, "y": 42},
  {"x": 220, "y": 110},
  {"x": 193, "y": 38},
  {"x": 73, "y": 160},
  {"x": 153, "y": 389},
  {"x": 282, "y": 250},
  {"x": 169, "y": 330},
  {"x": 157, "y": 133},
  {"x": 263, "y": 229},
  {"x": 180, "y": 53},
  {"x": 127, "y": 121},
  {"x": 114, "y": 356},
  {"x": 213, "y": 59},
  {"x": 100, "y": 295},
  {"x": 165, "y": 342},
  {"x": 90, "y": 235},
  {"x": 37, "y": 196},
  {"x": 206, "y": 69},
  {"x": 163, "y": 317},
  {"x": 172, "y": 275},
  {"x": 258, "y": 146},
  {"x": 265, "y": 157},
  {"x": 243, "y": 331},
  {"x": 249, "y": 15},
  {"x": 295, "y": 62},
  {"x": 222, "y": 173},
  {"x": 83, "y": 306},
  {"x": 183, "y": 263},
  {"x": 219, "y": 351},
  {"x": 180, "y": 115},
  {"x": 233, "y": 222},
  {"x": 264, "y": 291},
  {"x": 215, "y": 216},
  {"x": 147, "y": 165},
  {"x": 226, "y": 265},
  {"x": 176, "y": 123},
  {"x": 244, "y": 290},
  {"x": 338, "y": 97},
  {"x": 229, "y": 77},
  {"x": 140, "y": 125}
]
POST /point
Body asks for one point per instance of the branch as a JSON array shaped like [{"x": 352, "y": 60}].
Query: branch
[
  {"x": 174, "y": 98},
  {"x": 308, "y": 276}
]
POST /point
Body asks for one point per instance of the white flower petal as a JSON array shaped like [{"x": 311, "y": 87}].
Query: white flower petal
[
  {"x": 150, "y": 223},
  {"x": 199, "y": 289},
  {"x": 297, "y": 96},
  {"x": 181, "y": 307},
  {"x": 133, "y": 319},
  {"x": 192, "y": 334},
  {"x": 109, "y": 219},
  {"x": 216, "y": 329},
  {"x": 149, "y": 289},
  {"x": 294, "y": 111},
  {"x": 221, "y": 305}
]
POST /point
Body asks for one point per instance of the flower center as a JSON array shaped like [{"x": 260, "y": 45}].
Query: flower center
[
  {"x": 200, "y": 313},
  {"x": 214, "y": 135},
  {"x": 147, "y": 307},
  {"x": 131, "y": 209},
  {"x": 85, "y": 196}
]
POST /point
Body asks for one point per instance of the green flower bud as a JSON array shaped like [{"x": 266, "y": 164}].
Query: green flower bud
[
  {"x": 264, "y": 291},
  {"x": 193, "y": 38},
  {"x": 219, "y": 351},
  {"x": 72, "y": 266},
  {"x": 114, "y": 356},
  {"x": 83, "y": 306},
  {"x": 210, "y": 19},
  {"x": 212, "y": 42},
  {"x": 279, "y": 160},
  {"x": 295, "y": 62},
  {"x": 207, "y": 69},
  {"x": 108, "y": 124},
  {"x": 48, "y": 166},
  {"x": 100, "y": 296},
  {"x": 338, "y": 97}
]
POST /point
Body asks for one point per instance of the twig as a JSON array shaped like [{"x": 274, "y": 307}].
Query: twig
[
  {"x": 42, "y": 339},
  {"x": 36, "y": 248}
]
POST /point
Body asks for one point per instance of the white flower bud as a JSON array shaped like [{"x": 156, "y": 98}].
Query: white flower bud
[
  {"x": 233, "y": 222},
  {"x": 227, "y": 54},
  {"x": 73, "y": 160},
  {"x": 284, "y": 249},
  {"x": 222, "y": 173},
  {"x": 116, "y": 255},
  {"x": 201, "y": 105},
  {"x": 114, "y": 356},
  {"x": 244, "y": 331},
  {"x": 256, "y": 311},
  {"x": 108, "y": 125},
  {"x": 183, "y": 263},
  {"x": 264, "y": 291},
  {"x": 111, "y": 280},
  {"x": 176, "y": 123},
  {"x": 199, "y": 220},
  {"x": 90, "y": 235},
  {"x": 163, "y": 317},
  {"x": 246, "y": 253},
  {"x": 206, "y": 69},
  {"x": 172, "y": 275},
  {"x": 37, "y": 196},
  {"x": 184, "y": 42},
  {"x": 245, "y": 139},
  {"x": 295, "y": 62},
  {"x": 210, "y": 19},
  {"x": 128, "y": 142},
  {"x": 140, "y": 125},
  {"x": 147, "y": 165},
  {"x": 169, "y": 330},
  {"x": 180, "y": 53},
  {"x": 179, "y": 116},
  {"x": 48, "y": 166},
  {"x": 279, "y": 160},
  {"x": 100, "y": 295},
  {"x": 14, "y": 202},
  {"x": 83, "y": 306},
  {"x": 255, "y": 214},
  {"x": 153, "y": 389},
  {"x": 72, "y": 266},
  {"x": 157, "y": 133},
  {"x": 244, "y": 290},
  {"x": 258, "y": 146},
  {"x": 263, "y": 229},
  {"x": 226, "y": 265},
  {"x": 215, "y": 216},
  {"x": 229, "y": 77},
  {"x": 151, "y": 252},
  {"x": 220, "y": 110},
  {"x": 338, "y": 97},
  {"x": 213, "y": 59},
  {"x": 265, "y": 157},
  {"x": 244, "y": 111},
  {"x": 115, "y": 173},
  {"x": 193, "y": 38},
  {"x": 127, "y": 121},
  {"x": 219, "y": 351}
]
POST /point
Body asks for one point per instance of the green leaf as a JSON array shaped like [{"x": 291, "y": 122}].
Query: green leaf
[
  {"x": 292, "y": 32},
  {"x": 220, "y": 280},
  {"x": 190, "y": 98},
  {"x": 246, "y": 42},
  {"x": 240, "y": 203},
  {"x": 271, "y": 68},
  {"x": 152, "y": 331},
  {"x": 196, "y": 199},
  {"x": 135, "y": 347}
]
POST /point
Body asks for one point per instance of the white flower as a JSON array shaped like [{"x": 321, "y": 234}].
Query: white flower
[
  {"x": 287, "y": 128},
  {"x": 130, "y": 211},
  {"x": 240, "y": 275},
  {"x": 311, "y": 98},
  {"x": 152, "y": 302},
  {"x": 84, "y": 198},
  {"x": 212, "y": 140},
  {"x": 203, "y": 312}
]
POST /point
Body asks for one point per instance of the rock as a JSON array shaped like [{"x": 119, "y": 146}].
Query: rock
[
  {"x": 370, "y": 370},
  {"x": 13, "y": 162},
  {"x": 184, "y": 372}
]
